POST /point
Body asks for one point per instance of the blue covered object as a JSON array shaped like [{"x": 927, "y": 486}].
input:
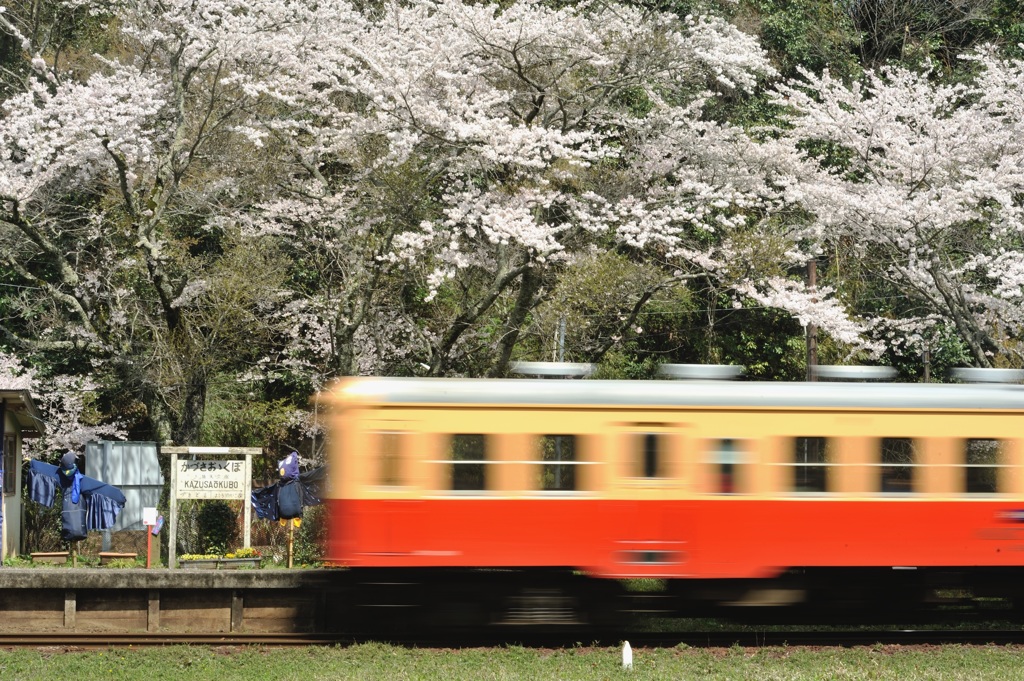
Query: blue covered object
[
  {"x": 287, "y": 497},
  {"x": 73, "y": 520},
  {"x": 98, "y": 502},
  {"x": 288, "y": 467}
]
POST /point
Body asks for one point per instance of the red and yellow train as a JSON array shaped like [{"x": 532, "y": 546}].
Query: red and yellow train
[{"x": 733, "y": 491}]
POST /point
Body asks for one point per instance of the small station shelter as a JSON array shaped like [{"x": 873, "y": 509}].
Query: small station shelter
[{"x": 19, "y": 420}]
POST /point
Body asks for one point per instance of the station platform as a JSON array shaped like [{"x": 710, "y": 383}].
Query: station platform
[{"x": 46, "y": 600}]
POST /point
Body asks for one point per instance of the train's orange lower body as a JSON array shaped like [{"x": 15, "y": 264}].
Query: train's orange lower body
[{"x": 732, "y": 537}]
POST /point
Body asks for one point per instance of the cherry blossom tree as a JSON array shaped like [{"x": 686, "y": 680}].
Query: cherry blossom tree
[
  {"x": 466, "y": 153},
  {"x": 115, "y": 187},
  {"x": 921, "y": 181},
  {"x": 66, "y": 404},
  {"x": 245, "y": 191}
]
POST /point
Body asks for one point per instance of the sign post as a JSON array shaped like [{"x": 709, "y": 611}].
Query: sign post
[
  {"x": 149, "y": 520},
  {"x": 222, "y": 473}
]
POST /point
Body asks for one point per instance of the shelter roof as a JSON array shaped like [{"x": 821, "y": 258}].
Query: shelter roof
[{"x": 23, "y": 407}]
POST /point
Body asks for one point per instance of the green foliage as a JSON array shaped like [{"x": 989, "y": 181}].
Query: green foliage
[
  {"x": 636, "y": 100},
  {"x": 1006, "y": 27},
  {"x": 775, "y": 356},
  {"x": 756, "y": 114},
  {"x": 218, "y": 527},
  {"x": 831, "y": 156},
  {"x": 236, "y": 417},
  {"x": 596, "y": 300},
  {"x": 769, "y": 343},
  {"x": 124, "y": 563},
  {"x": 946, "y": 351},
  {"x": 310, "y": 537},
  {"x": 811, "y": 34},
  {"x": 623, "y": 365}
]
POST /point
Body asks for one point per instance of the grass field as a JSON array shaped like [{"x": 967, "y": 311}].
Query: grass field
[{"x": 378, "y": 661}]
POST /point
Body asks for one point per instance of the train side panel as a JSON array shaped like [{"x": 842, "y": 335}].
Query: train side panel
[{"x": 698, "y": 491}]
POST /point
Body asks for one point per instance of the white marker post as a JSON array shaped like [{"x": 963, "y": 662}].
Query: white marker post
[{"x": 149, "y": 520}]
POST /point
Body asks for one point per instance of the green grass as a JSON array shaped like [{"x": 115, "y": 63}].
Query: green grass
[{"x": 378, "y": 661}]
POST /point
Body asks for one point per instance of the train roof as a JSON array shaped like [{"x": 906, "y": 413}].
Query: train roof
[{"x": 668, "y": 393}]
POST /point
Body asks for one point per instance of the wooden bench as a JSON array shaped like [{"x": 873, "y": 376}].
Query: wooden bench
[
  {"x": 109, "y": 556},
  {"x": 50, "y": 557}
]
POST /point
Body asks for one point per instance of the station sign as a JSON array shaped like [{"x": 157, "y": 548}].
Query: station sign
[
  {"x": 221, "y": 473},
  {"x": 211, "y": 479}
]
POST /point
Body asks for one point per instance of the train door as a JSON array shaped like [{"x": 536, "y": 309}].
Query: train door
[
  {"x": 384, "y": 514},
  {"x": 653, "y": 525}
]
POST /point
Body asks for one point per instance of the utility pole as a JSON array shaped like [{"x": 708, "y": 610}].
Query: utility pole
[
  {"x": 560, "y": 356},
  {"x": 927, "y": 362},
  {"x": 812, "y": 329}
]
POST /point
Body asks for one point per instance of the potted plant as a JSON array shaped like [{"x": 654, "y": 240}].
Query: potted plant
[
  {"x": 246, "y": 557},
  {"x": 198, "y": 561}
]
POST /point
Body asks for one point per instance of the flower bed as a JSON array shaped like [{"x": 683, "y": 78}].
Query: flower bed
[{"x": 243, "y": 558}]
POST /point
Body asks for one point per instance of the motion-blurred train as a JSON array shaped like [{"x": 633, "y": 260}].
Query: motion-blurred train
[{"x": 485, "y": 494}]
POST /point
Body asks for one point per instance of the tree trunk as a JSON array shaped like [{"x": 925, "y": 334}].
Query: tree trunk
[
  {"x": 502, "y": 280},
  {"x": 525, "y": 301},
  {"x": 185, "y": 430}
]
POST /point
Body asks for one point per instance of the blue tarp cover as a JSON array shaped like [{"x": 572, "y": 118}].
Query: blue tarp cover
[{"x": 102, "y": 501}]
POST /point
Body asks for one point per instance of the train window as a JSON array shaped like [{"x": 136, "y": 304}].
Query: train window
[
  {"x": 389, "y": 459},
  {"x": 982, "y": 458},
  {"x": 558, "y": 453},
  {"x": 898, "y": 462},
  {"x": 727, "y": 456},
  {"x": 651, "y": 445},
  {"x": 810, "y": 456},
  {"x": 469, "y": 454}
]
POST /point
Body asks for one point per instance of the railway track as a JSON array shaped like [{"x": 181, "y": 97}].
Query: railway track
[{"x": 65, "y": 642}]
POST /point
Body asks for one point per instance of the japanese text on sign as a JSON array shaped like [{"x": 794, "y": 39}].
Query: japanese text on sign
[{"x": 211, "y": 480}]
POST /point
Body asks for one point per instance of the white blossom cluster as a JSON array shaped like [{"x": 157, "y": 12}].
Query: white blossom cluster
[
  {"x": 511, "y": 109},
  {"x": 925, "y": 182},
  {"x": 66, "y": 136},
  {"x": 64, "y": 402}
]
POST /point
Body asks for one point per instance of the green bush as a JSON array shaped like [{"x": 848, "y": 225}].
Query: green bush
[
  {"x": 309, "y": 539},
  {"x": 218, "y": 527}
]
